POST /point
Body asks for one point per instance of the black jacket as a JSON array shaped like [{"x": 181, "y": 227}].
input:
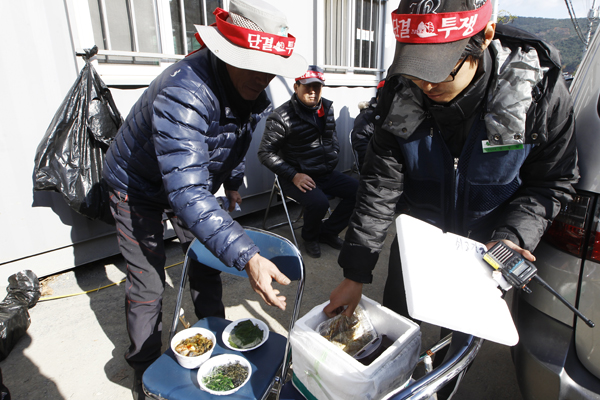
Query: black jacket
[
  {"x": 546, "y": 175},
  {"x": 293, "y": 142},
  {"x": 364, "y": 127}
]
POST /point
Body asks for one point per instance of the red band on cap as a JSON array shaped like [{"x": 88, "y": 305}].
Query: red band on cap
[
  {"x": 312, "y": 74},
  {"x": 440, "y": 28},
  {"x": 254, "y": 40}
]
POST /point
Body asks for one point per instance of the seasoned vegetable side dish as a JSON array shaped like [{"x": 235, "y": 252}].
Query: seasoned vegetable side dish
[
  {"x": 226, "y": 377},
  {"x": 194, "y": 346}
]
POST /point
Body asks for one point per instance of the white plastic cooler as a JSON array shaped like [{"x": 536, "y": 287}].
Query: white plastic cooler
[{"x": 324, "y": 371}]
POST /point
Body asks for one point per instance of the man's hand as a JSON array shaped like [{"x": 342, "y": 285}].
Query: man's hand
[
  {"x": 261, "y": 273},
  {"x": 303, "y": 182},
  {"x": 347, "y": 293},
  {"x": 525, "y": 253},
  {"x": 234, "y": 198}
]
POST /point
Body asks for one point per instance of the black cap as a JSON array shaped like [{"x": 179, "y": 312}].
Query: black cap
[{"x": 431, "y": 62}]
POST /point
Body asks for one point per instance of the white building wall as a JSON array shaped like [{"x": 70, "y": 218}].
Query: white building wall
[{"x": 37, "y": 68}]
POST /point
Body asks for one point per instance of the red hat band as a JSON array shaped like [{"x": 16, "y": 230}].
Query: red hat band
[
  {"x": 312, "y": 74},
  {"x": 254, "y": 40},
  {"x": 440, "y": 28}
]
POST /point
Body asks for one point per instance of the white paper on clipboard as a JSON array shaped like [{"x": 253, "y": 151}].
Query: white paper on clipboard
[{"x": 449, "y": 284}]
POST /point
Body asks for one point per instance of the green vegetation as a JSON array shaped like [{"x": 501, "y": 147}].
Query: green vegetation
[
  {"x": 560, "y": 33},
  {"x": 504, "y": 17}
]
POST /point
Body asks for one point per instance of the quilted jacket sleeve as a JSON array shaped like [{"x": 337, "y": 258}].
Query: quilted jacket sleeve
[
  {"x": 272, "y": 141},
  {"x": 380, "y": 186},
  {"x": 362, "y": 132},
  {"x": 182, "y": 119},
  {"x": 236, "y": 178},
  {"x": 336, "y": 144}
]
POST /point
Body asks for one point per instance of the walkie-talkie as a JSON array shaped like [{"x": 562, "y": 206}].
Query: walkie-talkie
[
  {"x": 515, "y": 269},
  {"x": 519, "y": 272}
]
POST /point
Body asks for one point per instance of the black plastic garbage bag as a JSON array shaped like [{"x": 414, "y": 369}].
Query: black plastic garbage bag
[
  {"x": 69, "y": 158},
  {"x": 23, "y": 293}
]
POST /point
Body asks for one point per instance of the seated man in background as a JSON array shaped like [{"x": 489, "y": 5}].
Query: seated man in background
[{"x": 300, "y": 145}]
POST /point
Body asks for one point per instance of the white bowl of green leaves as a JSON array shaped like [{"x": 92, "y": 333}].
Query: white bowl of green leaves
[
  {"x": 245, "y": 334},
  {"x": 224, "y": 374}
]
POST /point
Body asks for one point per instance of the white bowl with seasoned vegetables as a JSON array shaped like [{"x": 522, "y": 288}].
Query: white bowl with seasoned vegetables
[
  {"x": 193, "y": 346},
  {"x": 224, "y": 374},
  {"x": 245, "y": 334}
]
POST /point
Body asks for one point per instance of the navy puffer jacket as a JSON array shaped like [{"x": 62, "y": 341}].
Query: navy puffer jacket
[{"x": 179, "y": 144}]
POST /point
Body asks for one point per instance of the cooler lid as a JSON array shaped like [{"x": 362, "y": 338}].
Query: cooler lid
[{"x": 449, "y": 284}]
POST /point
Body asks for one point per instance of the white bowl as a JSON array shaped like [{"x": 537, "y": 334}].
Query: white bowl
[
  {"x": 191, "y": 362},
  {"x": 208, "y": 367},
  {"x": 227, "y": 331}
]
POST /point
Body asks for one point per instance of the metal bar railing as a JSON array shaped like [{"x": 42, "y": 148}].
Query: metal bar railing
[
  {"x": 343, "y": 67},
  {"x": 140, "y": 55},
  {"x": 462, "y": 352},
  {"x": 183, "y": 26},
  {"x": 359, "y": 31},
  {"x": 104, "y": 23},
  {"x": 135, "y": 46}
]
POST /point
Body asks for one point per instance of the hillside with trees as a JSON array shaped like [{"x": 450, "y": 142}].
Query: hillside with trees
[{"x": 561, "y": 34}]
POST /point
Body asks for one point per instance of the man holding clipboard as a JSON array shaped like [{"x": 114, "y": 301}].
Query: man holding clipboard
[{"x": 474, "y": 128}]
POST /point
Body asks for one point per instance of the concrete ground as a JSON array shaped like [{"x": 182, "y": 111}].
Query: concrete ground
[{"x": 74, "y": 347}]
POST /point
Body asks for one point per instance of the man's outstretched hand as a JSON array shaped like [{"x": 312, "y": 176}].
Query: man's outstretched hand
[{"x": 261, "y": 273}]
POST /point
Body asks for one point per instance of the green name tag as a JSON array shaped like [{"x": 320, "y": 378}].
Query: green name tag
[{"x": 488, "y": 148}]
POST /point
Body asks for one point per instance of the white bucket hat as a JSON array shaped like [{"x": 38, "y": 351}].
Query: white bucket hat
[{"x": 253, "y": 35}]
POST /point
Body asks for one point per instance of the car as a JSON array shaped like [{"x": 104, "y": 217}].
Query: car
[
  {"x": 558, "y": 355},
  {"x": 568, "y": 77}
]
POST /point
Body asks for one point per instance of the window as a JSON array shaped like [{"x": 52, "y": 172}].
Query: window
[
  {"x": 353, "y": 35},
  {"x": 148, "y": 27},
  {"x": 195, "y": 12}
]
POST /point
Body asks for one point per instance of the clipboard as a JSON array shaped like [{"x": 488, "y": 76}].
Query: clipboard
[{"x": 448, "y": 283}]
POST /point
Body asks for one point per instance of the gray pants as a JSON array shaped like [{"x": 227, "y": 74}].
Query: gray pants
[{"x": 140, "y": 230}]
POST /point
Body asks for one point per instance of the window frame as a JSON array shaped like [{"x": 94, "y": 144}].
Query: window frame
[
  {"x": 136, "y": 75},
  {"x": 339, "y": 75},
  {"x": 130, "y": 74}
]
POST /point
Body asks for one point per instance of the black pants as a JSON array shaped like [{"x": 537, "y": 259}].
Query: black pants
[
  {"x": 394, "y": 298},
  {"x": 140, "y": 231},
  {"x": 316, "y": 203}
]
